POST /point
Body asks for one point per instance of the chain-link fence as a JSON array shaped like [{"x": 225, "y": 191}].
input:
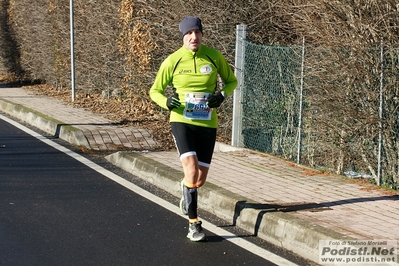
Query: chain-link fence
[{"x": 326, "y": 108}]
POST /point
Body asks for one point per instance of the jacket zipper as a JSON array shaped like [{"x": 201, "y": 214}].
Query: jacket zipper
[{"x": 195, "y": 63}]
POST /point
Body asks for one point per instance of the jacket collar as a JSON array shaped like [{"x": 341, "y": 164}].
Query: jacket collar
[{"x": 187, "y": 51}]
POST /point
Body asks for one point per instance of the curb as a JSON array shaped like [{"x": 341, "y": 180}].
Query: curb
[
  {"x": 264, "y": 221},
  {"x": 49, "y": 125}
]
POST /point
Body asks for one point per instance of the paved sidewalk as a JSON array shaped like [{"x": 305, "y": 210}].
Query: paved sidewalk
[
  {"x": 357, "y": 211},
  {"x": 100, "y": 132}
]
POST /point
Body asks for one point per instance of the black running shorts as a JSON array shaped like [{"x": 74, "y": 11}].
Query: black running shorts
[{"x": 194, "y": 140}]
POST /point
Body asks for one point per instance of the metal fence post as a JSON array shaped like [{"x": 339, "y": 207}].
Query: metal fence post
[
  {"x": 298, "y": 159},
  {"x": 241, "y": 32},
  {"x": 379, "y": 177},
  {"x": 72, "y": 50}
]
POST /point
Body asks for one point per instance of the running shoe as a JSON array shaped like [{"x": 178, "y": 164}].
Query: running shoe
[
  {"x": 195, "y": 232},
  {"x": 182, "y": 203}
]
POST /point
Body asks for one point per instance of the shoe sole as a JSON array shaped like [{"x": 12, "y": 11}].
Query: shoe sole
[{"x": 203, "y": 239}]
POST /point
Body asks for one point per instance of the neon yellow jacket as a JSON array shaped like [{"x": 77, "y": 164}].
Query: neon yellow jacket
[{"x": 192, "y": 72}]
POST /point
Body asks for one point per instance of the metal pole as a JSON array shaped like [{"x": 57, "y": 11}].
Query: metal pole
[
  {"x": 379, "y": 177},
  {"x": 72, "y": 51},
  {"x": 241, "y": 32},
  {"x": 298, "y": 159}
]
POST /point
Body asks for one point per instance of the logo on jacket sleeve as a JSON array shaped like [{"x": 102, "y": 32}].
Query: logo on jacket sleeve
[{"x": 206, "y": 69}]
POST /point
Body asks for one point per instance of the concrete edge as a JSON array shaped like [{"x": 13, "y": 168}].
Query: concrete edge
[
  {"x": 43, "y": 122},
  {"x": 222, "y": 147},
  {"x": 281, "y": 229}
]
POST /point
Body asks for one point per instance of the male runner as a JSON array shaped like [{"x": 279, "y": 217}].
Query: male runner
[{"x": 193, "y": 72}]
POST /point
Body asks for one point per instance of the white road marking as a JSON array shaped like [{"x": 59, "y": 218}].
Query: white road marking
[{"x": 267, "y": 255}]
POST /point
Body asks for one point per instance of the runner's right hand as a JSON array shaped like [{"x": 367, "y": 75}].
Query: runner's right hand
[{"x": 173, "y": 101}]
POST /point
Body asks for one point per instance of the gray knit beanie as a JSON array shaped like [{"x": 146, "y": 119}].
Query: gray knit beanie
[{"x": 188, "y": 24}]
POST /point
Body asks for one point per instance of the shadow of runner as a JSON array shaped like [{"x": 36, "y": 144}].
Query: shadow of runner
[{"x": 297, "y": 206}]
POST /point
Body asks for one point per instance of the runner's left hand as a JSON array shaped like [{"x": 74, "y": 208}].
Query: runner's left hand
[{"x": 215, "y": 100}]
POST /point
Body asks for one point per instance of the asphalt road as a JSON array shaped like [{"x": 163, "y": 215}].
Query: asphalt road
[{"x": 55, "y": 210}]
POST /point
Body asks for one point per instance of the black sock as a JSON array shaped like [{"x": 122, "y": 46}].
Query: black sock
[{"x": 191, "y": 198}]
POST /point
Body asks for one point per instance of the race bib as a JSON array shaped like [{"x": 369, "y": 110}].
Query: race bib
[{"x": 195, "y": 106}]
